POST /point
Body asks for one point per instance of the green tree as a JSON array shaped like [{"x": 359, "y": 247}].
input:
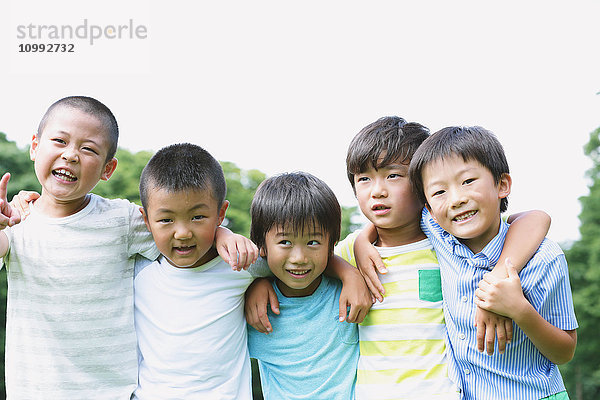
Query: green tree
[
  {"x": 241, "y": 186},
  {"x": 349, "y": 223},
  {"x": 17, "y": 162},
  {"x": 582, "y": 374}
]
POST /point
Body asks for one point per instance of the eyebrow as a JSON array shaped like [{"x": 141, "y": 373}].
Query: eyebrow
[
  {"x": 194, "y": 208},
  {"x": 285, "y": 233}
]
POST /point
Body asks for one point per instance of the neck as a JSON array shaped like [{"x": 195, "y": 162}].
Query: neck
[
  {"x": 307, "y": 291},
  {"x": 399, "y": 236},
  {"x": 54, "y": 208}
]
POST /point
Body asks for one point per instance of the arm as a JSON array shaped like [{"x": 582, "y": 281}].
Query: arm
[
  {"x": 235, "y": 249},
  {"x": 258, "y": 295},
  {"x": 526, "y": 233},
  {"x": 8, "y": 215},
  {"x": 355, "y": 293},
  {"x": 369, "y": 261},
  {"x": 506, "y": 297}
]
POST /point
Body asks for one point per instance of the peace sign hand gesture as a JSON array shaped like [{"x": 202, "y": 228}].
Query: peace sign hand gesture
[{"x": 8, "y": 215}]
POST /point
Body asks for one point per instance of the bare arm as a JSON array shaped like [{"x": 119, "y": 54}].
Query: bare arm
[
  {"x": 506, "y": 297},
  {"x": 8, "y": 215},
  {"x": 369, "y": 261},
  {"x": 355, "y": 293},
  {"x": 237, "y": 250}
]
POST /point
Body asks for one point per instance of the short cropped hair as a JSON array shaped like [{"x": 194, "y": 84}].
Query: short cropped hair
[
  {"x": 468, "y": 142},
  {"x": 91, "y": 107},
  {"x": 296, "y": 201},
  {"x": 183, "y": 166},
  {"x": 382, "y": 143}
]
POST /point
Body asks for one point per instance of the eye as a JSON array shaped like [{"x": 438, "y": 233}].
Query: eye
[
  {"x": 89, "y": 149},
  {"x": 469, "y": 180},
  {"x": 362, "y": 179},
  {"x": 438, "y": 193},
  {"x": 165, "y": 220},
  {"x": 285, "y": 242},
  {"x": 198, "y": 217},
  {"x": 394, "y": 175},
  {"x": 58, "y": 140},
  {"x": 313, "y": 242}
]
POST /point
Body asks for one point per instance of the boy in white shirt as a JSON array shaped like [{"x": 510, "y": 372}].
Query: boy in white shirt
[{"x": 189, "y": 304}]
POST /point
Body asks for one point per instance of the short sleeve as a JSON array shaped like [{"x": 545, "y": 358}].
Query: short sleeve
[
  {"x": 345, "y": 248},
  {"x": 140, "y": 239},
  {"x": 260, "y": 268},
  {"x": 549, "y": 290}
]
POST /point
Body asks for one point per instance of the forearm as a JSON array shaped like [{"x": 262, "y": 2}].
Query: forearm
[
  {"x": 526, "y": 233},
  {"x": 555, "y": 344}
]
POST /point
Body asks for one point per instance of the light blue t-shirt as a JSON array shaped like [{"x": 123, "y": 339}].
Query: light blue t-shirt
[{"x": 309, "y": 354}]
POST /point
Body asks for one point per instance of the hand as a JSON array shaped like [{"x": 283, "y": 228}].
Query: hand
[
  {"x": 258, "y": 295},
  {"x": 501, "y": 296},
  {"x": 355, "y": 295},
  {"x": 490, "y": 325},
  {"x": 8, "y": 215},
  {"x": 21, "y": 201},
  {"x": 237, "y": 250},
  {"x": 369, "y": 262}
]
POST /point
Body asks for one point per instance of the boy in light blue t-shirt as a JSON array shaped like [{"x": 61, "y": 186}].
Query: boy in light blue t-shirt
[{"x": 310, "y": 354}]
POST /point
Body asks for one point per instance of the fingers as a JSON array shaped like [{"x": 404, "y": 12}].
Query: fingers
[
  {"x": 4, "y": 185},
  {"x": 343, "y": 309},
  {"x": 378, "y": 262},
  {"x": 375, "y": 292},
  {"x": 481, "y": 329},
  {"x": 508, "y": 327},
  {"x": 490, "y": 336},
  {"x": 273, "y": 300},
  {"x": 501, "y": 336}
]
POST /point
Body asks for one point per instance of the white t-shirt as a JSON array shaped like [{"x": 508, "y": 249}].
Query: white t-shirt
[
  {"x": 192, "y": 332},
  {"x": 70, "y": 329}
]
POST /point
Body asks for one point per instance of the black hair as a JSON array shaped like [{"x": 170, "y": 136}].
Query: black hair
[
  {"x": 382, "y": 143},
  {"x": 295, "y": 200},
  {"x": 183, "y": 166},
  {"x": 91, "y": 107},
  {"x": 468, "y": 142}
]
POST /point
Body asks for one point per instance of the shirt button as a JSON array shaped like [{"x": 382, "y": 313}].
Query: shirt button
[
  {"x": 461, "y": 336},
  {"x": 464, "y": 299},
  {"x": 467, "y": 372}
]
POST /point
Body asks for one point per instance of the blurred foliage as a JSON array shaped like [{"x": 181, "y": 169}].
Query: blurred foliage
[{"x": 582, "y": 374}]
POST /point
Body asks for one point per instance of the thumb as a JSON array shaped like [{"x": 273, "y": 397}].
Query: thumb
[{"x": 510, "y": 269}]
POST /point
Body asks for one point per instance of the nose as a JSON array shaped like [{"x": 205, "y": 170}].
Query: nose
[
  {"x": 457, "y": 198},
  {"x": 182, "y": 232},
  {"x": 70, "y": 155},
  {"x": 379, "y": 189},
  {"x": 297, "y": 256}
]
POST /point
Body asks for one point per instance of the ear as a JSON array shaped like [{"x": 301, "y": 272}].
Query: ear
[
  {"x": 109, "y": 168},
  {"x": 430, "y": 213},
  {"x": 504, "y": 186},
  {"x": 262, "y": 252},
  {"x": 34, "y": 144},
  {"x": 145, "y": 218},
  {"x": 223, "y": 211}
]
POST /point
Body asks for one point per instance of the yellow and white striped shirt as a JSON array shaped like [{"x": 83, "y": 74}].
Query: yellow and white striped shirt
[{"x": 402, "y": 339}]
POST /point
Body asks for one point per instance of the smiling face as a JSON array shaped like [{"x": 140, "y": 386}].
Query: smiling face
[
  {"x": 70, "y": 158},
  {"x": 464, "y": 199},
  {"x": 183, "y": 225},
  {"x": 386, "y": 198},
  {"x": 297, "y": 259}
]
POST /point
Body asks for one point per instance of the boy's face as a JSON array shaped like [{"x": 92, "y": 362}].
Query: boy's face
[
  {"x": 464, "y": 199},
  {"x": 183, "y": 225},
  {"x": 297, "y": 259},
  {"x": 70, "y": 155},
  {"x": 386, "y": 198}
]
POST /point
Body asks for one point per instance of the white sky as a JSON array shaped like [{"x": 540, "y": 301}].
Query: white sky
[{"x": 282, "y": 86}]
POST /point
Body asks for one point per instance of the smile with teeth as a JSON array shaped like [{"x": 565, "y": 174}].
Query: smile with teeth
[
  {"x": 64, "y": 175},
  {"x": 464, "y": 216},
  {"x": 298, "y": 272},
  {"x": 184, "y": 249}
]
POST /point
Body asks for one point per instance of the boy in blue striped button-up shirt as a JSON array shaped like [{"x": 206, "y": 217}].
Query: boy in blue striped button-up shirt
[{"x": 462, "y": 175}]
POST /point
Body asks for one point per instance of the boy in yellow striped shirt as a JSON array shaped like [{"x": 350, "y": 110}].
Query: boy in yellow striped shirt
[{"x": 402, "y": 338}]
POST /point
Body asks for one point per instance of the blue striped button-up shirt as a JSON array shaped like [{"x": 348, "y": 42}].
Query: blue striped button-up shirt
[{"x": 522, "y": 372}]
